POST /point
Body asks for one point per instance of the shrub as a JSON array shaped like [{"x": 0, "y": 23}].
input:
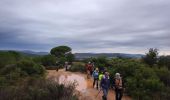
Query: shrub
[
  {"x": 9, "y": 57},
  {"x": 78, "y": 67},
  {"x": 38, "y": 89},
  {"x": 37, "y": 59},
  {"x": 31, "y": 68},
  {"x": 48, "y": 60},
  {"x": 164, "y": 75},
  {"x": 141, "y": 81}
]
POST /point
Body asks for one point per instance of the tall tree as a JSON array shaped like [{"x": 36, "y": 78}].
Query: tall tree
[
  {"x": 60, "y": 51},
  {"x": 151, "y": 57},
  {"x": 63, "y": 53}
]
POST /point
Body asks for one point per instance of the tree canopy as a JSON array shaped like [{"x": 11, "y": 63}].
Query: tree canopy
[
  {"x": 60, "y": 51},
  {"x": 151, "y": 57}
]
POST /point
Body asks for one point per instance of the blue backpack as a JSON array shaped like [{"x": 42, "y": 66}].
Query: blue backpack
[{"x": 95, "y": 74}]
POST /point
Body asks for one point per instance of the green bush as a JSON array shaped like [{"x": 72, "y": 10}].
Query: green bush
[
  {"x": 11, "y": 74},
  {"x": 164, "y": 75},
  {"x": 38, "y": 89},
  {"x": 9, "y": 57},
  {"x": 37, "y": 59},
  {"x": 141, "y": 81},
  {"x": 78, "y": 67},
  {"x": 48, "y": 60},
  {"x": 30, "y": 68}
]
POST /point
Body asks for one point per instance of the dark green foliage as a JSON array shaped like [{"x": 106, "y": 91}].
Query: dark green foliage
[
  {"x": 62, "y": 60},
  {"x": 38, "y": 89},
  {"x": 99, "y": 62},
  {"x": 141, "y": 82},
  {"x": 164, "y": 61},
  {"x": 144, "y": 84},
  {"x": 37, "y": 59},
  {"x": 31, "y": 68},
  {"x": 63, "y": 54},
  {"x": 11, "y": 74},
  {"x": 78, "y": 67},
  {"x": 151, "y": 57},
  {"x": 164, "y": 75},
  {"x": 22, "y": 78},
  {"x": 48, "y": 60},
  {"x": 9, "y": 57},
  {"x": 70, "y": 57},
  {"x": 60, "y": 51}
]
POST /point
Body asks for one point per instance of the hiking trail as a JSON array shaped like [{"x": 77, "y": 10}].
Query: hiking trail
[{"x": 84, "y": 85}]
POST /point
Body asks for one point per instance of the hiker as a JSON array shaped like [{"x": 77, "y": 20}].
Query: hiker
[
  {"x": 57, "y": 66},
  {"x": 89, "y": 70},
  {"x": 96, "y": 77},
  {"x": 105, "y": 84},
  {"x": 101, "y": 69},
  {"x": 66, "y": 65},
  {"x": 118, "y": 86},
  {"x": 69, "y": 65},
  {"x": 100, "y": 77}
]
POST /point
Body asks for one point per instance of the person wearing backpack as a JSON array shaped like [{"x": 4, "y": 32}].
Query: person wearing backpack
[
  {"x": 96, "y": 77},
  {"x": 100, "y": 77},
  {"x": 105, "y": 85},
  {"x": 89, "y": 69},
  {"x": 118, "y": 86}
]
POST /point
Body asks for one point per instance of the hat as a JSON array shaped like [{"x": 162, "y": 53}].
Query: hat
[
  {"x": 97, "y": 69},
  {"x": 117, "y": 74}
]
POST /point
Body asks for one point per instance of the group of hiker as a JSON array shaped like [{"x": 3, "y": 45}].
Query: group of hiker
[{"x": 102, "y": 81}]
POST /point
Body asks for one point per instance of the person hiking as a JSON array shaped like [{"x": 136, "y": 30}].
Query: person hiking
[
  {"x": 105, "y": 84},
  {"x": 89, "y": 70},
  {"x": 96, "y": 77},
  {"x": 100, "y": 77},
  {"x": 118, "y": 86},
  {"x": 66, "y": 65},
  {"x": 57, "y": 66}
]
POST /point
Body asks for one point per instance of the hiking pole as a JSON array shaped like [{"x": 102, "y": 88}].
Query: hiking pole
[{"x": 98, "y": 93}]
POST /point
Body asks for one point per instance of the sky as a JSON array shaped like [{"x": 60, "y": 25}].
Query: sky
[{"x": 98, "y": 26}]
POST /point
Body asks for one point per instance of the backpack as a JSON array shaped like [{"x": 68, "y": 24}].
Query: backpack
[
  {"x": 100, "y": 77},
  {"x": 95, "y": 74},
  {"x": 118, "y": 83},
  {"x": 89, "y": 67}
]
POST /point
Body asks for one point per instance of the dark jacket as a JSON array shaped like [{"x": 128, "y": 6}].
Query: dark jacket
[{"x": 105, "y": 82}]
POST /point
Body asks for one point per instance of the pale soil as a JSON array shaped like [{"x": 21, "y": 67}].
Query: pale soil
[{"x": 85, "y": 88}]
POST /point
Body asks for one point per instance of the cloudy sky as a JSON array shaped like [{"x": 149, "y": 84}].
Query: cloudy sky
[{"x": 128, "y": 26}]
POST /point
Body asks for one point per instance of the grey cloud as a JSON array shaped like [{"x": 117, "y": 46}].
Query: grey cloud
[{"x": 97, "y": 25}]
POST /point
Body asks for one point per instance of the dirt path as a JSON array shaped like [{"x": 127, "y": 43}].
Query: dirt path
[{"x": 84, "y": 85}]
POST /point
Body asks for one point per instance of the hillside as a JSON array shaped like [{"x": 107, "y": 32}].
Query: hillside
[{"x": 108, "y": 55}]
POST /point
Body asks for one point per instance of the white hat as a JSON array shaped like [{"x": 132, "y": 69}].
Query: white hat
[{"x": 117, "y": 74}]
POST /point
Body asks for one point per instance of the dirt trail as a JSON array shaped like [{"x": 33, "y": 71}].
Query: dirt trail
[{"x": 84, "y": 86}]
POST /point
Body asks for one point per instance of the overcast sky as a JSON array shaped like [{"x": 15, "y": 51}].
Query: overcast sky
[{"x": 127, "y": 26}]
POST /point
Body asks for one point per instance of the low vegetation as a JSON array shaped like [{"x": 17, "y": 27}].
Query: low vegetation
[
  {"x": 38, "y": 89},
  {"x": 78, "y": 67},
  {"x": 23, "y": 78},
  {"x": 144, "y": 79}
]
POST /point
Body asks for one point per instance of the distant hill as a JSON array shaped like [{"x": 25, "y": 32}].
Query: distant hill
[
  {"x": 82, "y": 55},
  {"x": 108, "y": 55},
  {"x": 28, "y": 52}
]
